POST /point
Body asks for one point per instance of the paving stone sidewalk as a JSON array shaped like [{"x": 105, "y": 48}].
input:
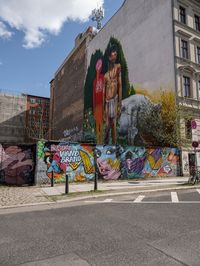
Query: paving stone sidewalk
[{"x": 13, "y": 196}]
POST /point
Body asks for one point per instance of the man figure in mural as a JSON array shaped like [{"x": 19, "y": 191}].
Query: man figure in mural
[
  {"x": 113, "y": 95},
  {"x": 98, "y": 87}
]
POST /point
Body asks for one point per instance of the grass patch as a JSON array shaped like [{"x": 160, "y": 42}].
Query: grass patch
[{"x": 76, "y": 194}]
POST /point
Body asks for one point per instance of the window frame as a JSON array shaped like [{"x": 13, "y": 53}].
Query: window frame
[
  {"x": 197, "y": 25},
  {"x": 184, "y": 49},
  {"x": 182, "y": 17},
  {"x": 186, "y": 87},
  {"x": 188, "y": 129},
  {"x": 198, "y": 54}
]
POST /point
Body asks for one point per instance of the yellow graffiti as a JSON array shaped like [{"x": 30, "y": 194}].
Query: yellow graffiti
[
  {"x": 154, "y": 164},
  {"x": 88, "y": 167},
  {"x": 115, "y": 164},
  {"x": 74, "y": 165}
]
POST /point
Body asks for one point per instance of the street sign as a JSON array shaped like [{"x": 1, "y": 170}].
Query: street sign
[
  {"x": 193, "y": 124},
  {"x": 195, "y": 144}
]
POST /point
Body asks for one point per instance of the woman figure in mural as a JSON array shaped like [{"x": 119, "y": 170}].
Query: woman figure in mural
[
  {"x": 98, "y": 91},
  {"x": 113, "y": 95}
]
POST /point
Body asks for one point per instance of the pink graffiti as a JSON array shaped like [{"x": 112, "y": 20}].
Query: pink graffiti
[
  {"x": 107, "y": 171},
  {"x": 13, "y": 154}
]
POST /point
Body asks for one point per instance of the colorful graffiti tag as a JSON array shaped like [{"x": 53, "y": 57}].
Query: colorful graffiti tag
[
  {"x": 111, "y": 162},
  {"x": 74, "y": 160},
  {"x": 138, "y": 162},
  {"x": 117, "y": 113},
  {"x": 108, "y": 162},
  {"x": 17, "y": 164}
]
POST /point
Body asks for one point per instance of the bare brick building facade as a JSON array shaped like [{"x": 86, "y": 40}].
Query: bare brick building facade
[{"x": 67, "y": 94}]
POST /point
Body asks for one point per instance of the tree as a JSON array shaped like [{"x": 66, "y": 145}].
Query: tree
[{"x": 164, "y": 126}]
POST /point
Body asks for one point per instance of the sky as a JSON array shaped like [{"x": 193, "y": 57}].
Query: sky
[{"x": 37, "y": 35}]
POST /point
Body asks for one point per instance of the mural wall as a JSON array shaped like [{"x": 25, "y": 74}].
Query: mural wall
[
  {"x": 111, "y": 162},
  {"x": 57, "y": 160},
  {"x": 17, "y": 164},
  {"x": 116, "y": 112}
]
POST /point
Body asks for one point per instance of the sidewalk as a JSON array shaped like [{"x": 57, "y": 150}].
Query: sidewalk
[
  {"x": 114, "y": 185},
  {"x": 22, "y": 196}
]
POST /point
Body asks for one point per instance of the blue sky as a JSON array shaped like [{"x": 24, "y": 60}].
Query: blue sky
[{"x": 29, "y": 56}]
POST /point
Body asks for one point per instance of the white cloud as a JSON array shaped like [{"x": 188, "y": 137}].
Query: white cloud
[
  {"x": 37, "y": 18},
  {"x": 4, "y": 32}
]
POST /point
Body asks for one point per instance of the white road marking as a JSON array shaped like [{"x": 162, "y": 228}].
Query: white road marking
[
  {"x": 198, "y": 190},
  {"x": 139, "y": 199},
  {"x": 143, "y": 202},
  {"x": 107, "y": 200},
  {"x": 174, "y": 197}
]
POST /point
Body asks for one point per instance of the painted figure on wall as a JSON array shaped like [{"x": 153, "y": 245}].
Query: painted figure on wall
[
  {"x": 136, "y": 116},
  {"x": 113, "y": 95},
  {"x": 98, "y": 94},
  {"x": 108, "y": 162}
]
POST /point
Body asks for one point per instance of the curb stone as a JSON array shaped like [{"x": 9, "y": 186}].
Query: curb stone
[{"x": 108, "y": 194}]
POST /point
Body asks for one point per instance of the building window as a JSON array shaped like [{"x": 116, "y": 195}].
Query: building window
[
  {"x": 198, "y": 88},
  {"x": 186, "y": 87},
  {"x": 32, "y": 100},
  {"x": 39, "y": 101},
  {"x": 188, "y": 129},
  {"x": 182, "y": 14},
  {"x": 197, "y": 22},
  {"x": 184, "y": 49},
  {"x": 32, "y": 111},
  {"x": 198, "y": 54}
]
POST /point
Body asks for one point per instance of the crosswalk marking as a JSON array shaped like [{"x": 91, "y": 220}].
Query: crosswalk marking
[
  {"x": 107, "y": 200},
  {"x": 174, "y": 197},
  {"x": 139, "y": 198}
]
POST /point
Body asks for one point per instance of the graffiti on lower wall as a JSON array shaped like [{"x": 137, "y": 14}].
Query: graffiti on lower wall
[
  {"x": 149, "y": 162},
  {"x": 108, "y": 162},
  {"x": 111, "y": 162},
  {"x": 17, "y": 164},
  {"x": 76, "y": 161}
]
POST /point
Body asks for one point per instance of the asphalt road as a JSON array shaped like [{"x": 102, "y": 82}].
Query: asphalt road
[{"x": 155, "y": 229}]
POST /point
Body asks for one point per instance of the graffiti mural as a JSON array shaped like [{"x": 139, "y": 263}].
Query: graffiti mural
[
  {"x": 17, "y": 164},
  {"x": 75, "y": 160},
  {"x": 108, "y": 162},
  {"x": 138, "y": 162},
  {"x": 111, "y": 162},
  {"x": 116, "y": 112}
]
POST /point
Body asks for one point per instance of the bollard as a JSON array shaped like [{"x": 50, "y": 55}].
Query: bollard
[
  {"x": 95, "y": 181},
  {"x": 67, "y": 184},
  {"x": 52, "y": 179},
  {"x": 95, "y": 173}
]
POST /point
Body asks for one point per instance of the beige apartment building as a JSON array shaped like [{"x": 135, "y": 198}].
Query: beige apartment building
[{"x": 187, "y": 69}]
